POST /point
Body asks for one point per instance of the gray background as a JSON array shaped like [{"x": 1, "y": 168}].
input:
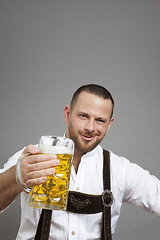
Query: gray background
[{"x": 48, "y": 49}]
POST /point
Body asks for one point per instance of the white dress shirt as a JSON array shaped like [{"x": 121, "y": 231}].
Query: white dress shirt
[{"x": 129, "y": 183}]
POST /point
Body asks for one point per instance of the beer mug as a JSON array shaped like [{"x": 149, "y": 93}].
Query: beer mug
[{"x": 53, "y": 194}]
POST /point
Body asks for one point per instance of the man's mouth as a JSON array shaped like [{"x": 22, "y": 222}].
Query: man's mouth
[{"x": 87, "y": 137}]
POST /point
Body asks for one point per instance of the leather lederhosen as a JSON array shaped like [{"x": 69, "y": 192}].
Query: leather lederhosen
[{"x": 85, "y": 204}]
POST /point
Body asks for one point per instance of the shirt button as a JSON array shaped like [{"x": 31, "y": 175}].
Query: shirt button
[
  {"x": 73, "y": 232},
  {"x": 77, "y": 188}
]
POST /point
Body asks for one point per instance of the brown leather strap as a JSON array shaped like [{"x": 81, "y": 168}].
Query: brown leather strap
[
  {"x": 106, "y": 215},
  {"x": 43, "y": 228}
]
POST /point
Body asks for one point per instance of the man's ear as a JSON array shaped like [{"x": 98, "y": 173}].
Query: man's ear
[
  {"x": 67, "y": 112},
  {"x": 111, "y": 121}
]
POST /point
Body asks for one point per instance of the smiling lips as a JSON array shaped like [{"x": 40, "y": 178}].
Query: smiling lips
[{"x": 87, "y": 138}]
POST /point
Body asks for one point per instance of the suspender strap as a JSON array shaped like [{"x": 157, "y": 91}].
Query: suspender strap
[
  {"x": 85, "y": 204},
  {"x": 43, "y": 228},
  {"x": 106, "y": 215}
]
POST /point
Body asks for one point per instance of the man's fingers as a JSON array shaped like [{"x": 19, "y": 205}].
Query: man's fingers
[
  {"x": 37, "y": 181},
  {"x": 36, "y": 178},
  {"x": 38, "y": 174},
  {"x": 31, "y": 149},
  {"x": 43, "y": 165},
  {"x": 33, "y": 159},
  {"x": 33, "y": 182},
  {"x": 35, "y": 168}
]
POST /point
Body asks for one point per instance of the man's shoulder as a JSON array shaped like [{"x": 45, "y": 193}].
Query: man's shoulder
[{"x": 117, "y": 160}]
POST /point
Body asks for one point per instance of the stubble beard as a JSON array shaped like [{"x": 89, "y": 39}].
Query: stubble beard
[{"x": 80, "y": 145}]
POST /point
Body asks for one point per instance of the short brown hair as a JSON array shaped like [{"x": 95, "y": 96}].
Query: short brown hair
[{"x": 94, "y": 89}]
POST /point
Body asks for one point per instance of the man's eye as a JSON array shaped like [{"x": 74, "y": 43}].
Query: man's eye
[
  {"x": 100, "y": 120},
  {"x": 83, "y": 116}
]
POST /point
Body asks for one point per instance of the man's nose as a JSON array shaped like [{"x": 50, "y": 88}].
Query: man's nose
[{"x": 90, "y": 125}]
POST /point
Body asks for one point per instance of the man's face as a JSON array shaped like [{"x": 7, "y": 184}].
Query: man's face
[{"x": 88, "y": 121}]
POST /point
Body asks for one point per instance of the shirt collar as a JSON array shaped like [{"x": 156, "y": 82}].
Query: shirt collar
[{"x": 92, "y": 153}]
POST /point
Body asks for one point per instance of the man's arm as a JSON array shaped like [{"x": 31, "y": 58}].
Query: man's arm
[
  {"x": 142, "y": 189},
  {"x": 9, "y": 189},
  {"x": 35, "y": 168}
]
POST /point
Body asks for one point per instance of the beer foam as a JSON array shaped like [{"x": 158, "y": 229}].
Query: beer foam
[{"x": 55, "y": 149}]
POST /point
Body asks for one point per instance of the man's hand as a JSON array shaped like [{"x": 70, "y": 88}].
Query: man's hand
[{"x": 36, "y": 167}]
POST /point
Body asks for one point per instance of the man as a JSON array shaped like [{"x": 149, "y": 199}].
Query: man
[{"x": 88, "y": 118}]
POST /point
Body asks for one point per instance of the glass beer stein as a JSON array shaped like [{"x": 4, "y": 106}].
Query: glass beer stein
[{"x": 53, "y": 193}]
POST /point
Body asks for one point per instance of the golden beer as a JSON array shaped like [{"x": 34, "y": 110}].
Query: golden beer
[{"x": 54, "y": 192}]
